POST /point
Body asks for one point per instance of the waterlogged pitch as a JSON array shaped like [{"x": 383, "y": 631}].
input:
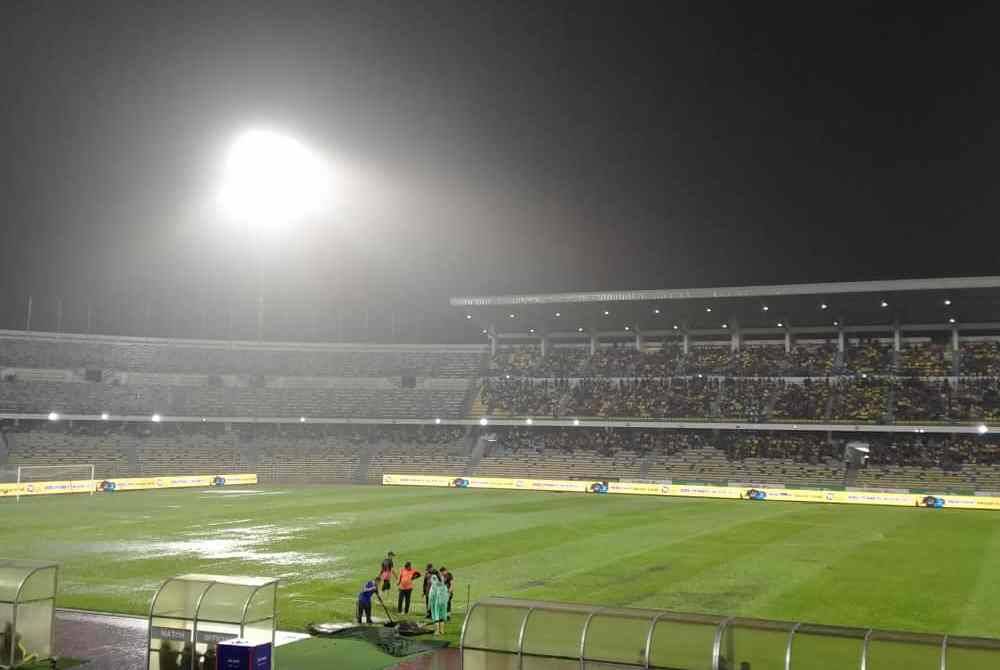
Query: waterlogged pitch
[{"x": 913, "y": 569}]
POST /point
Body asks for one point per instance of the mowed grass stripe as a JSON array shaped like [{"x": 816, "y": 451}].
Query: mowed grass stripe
[{"x": 889, "y": 567}]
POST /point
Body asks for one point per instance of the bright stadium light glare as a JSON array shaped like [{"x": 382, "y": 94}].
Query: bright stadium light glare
[
  {"x": 156, "y": 418},
  {"x": 302, "y": 419},
  {"x": 437, "y": 420},
  {"x": 576, "y": 422},
  {"x": 983, "y": 429},
  {"x": 483, "y": 421},
  {"x": 104, "y": 416},
  {"x": 271, "y": 179},
  {"x": 528, "y": 421},
  {"x": 53, "y": 416}
]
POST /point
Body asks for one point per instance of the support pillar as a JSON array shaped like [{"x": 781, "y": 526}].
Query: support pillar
[
  {"x": 788, "y": 341},
  {"x": 27, "y": 317},
  {"x": 685, "y": 343},
  {"x": 493, "y": 344},
  {"x": 544, "y": 340},
  {"x": 840, "y": 336},
  {"x": 736, "y": 338},
  {"x": 896, "y": 337},
  {"x": 593, "y": 344},
  {"x": 638, "y": 341},
  {"x": 954, "y": 338}
]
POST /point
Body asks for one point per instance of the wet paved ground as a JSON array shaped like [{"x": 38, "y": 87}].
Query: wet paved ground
[{"x": 113, "y": 642}]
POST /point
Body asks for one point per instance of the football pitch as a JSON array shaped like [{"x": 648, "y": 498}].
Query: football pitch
[{"x": 911, "y": 569}]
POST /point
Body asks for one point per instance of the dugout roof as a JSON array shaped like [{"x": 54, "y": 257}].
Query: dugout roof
[{"x": 934, "y": 304}]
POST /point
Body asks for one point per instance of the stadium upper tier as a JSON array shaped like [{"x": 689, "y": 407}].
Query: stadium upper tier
[{"x": 54, "y": 351}]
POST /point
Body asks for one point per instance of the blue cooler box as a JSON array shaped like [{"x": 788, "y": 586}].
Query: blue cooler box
[{"x": 243, "y": 655}]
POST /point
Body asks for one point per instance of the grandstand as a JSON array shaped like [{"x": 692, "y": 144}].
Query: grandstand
[{"x": 759, "y": 385}]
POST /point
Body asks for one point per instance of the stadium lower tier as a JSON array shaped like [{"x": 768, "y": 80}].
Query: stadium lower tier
[{"x": 318, "y": 454}]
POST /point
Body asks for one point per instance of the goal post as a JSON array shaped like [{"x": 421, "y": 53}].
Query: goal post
[{"x": 82, "y": 472}]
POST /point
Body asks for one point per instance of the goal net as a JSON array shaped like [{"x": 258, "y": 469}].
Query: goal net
[{"x": 78, "y": 478}]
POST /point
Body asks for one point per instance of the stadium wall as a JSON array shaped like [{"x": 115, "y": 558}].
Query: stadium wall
[
  {"x": 124, "y": 484},
  {"x": 758, "y": 494}
]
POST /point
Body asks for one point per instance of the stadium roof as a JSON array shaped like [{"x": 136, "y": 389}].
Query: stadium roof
[{"x": 931, "y": 304}]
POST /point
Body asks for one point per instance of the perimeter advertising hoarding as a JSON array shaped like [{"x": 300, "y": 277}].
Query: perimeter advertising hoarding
[
  {"x": 701, "y": 491},
  {"x": 124, "y": 484}
]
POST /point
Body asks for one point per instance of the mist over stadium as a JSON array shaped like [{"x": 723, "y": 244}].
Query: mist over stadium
[{"x": 438, "y": 336}]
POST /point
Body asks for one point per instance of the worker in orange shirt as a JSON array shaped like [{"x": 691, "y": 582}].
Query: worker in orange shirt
[{"x": 405, "y": 583}]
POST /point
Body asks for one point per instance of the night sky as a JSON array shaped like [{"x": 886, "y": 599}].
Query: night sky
[{"x": 521, "y": 147}]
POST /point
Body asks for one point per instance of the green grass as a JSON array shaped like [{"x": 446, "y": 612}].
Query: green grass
[{"x": 906, "y": 568}]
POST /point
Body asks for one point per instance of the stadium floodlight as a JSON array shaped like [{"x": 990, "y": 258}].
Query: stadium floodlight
[
  {"x": 483, "y": 421},
  {"x": 156, "y": 418},
  {"x": 947, "y": 302},
  {"x": 104, "y": 416},
  {"x": 823, "y": 306},
  {"x": 983, "y": 429},
  {"x": 53, "y": 416},
  {"x": 576, "y": 422},
  {"x": 708, "y": 309},
  {"x": 883, "y": 304},
  {"x": 270, "y": 179},
  {"x": 437, "y": 420},
  {"x": 580, "y": 329},
  {"x": 468, "y": 316},
  {"x": 558, "y": 314},
  {"x": 512, "y": 316},
  {"x": 836, "y": 323},
  {"x": 485, "y": 331},
  {"x": 765, "y": 308},
  {"x": 531, "y": 330},
  {"x": 725, "y": 325},
  {"x": 781, "y": 324},
  {"x": 302, "y": 419},
  {"x": 607, "y": 313},
  {"x": 528, "y": 421},
  {"x": 656, "y": 311},
  {"x": 676, "y": 327},
  {"x": 951, "y": 319}
]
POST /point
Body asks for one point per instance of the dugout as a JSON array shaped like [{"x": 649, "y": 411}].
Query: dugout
[
  {"x": 191, "y": 613},
  {"x": 505, "y": 634},
  {"x": 27, "y": 611}
]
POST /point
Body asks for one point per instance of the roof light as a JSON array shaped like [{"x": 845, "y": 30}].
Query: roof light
[
  {"x": 676, "y": 326},
  {"x": 483, "y": 421},
  {"x": 485, "y": 331},
  {"x": 512, "y": 316},
  {"x": 781, "y": 325},
  {"x": 725, "y": 325},
  {"x": 156, "y": 418},
  {"x": 947, "y": 302},
  {"x": 628, "y": 328},
  {"x": 302, "y": 419},
  {"x": 507, "y": 376},
  {"x": 576, "y": 422},
  {"x": 607, "y": 313},
  {"x": 468, "y": 316},
  {"x": 983, "y": 428},
  {"x": 528, "y": 421},
  {"x": 558, "y": 314},
  {"x": 951, "y": 319},
  {"x": 765, "y": 308},
  {"x": 836, "y": 323},
  {"x": 708, "y": 309},
  {"x": 531, "y": 330},
  {"x": 656, "y": 311},
  {"x": 437, "y": 420},
  {"x": 580, "y": 329},
  {"x": 883, "y": 304},
  {"x": 204, "y": 420},
  {"x": 104, "y": 416},
  {"x": 823, "y": 306},
  {"x": 53, "y": 416}
]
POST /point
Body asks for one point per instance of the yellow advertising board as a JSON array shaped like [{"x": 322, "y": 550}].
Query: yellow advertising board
[
  {"x": 124, "y": 484},
  {"x": 701, "y": 491}
]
